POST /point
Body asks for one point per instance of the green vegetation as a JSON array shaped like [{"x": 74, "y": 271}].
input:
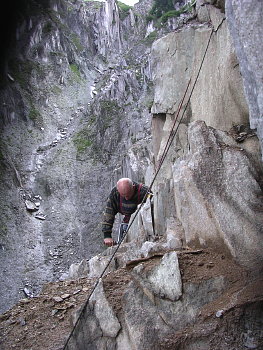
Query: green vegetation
[
  {"x": 76, "y": 41},
  {"x": 92, "y": 119},
  {"x": 150, "y": 18},
  {"x": 82, "y": 140},
  {"x": 56, "y": 53},
  {"x": 34, "y": 114},
  {"x": 3, "y": 230},
  {"x": 151, "y": 37},
  {"x": 96, "y": 4},
  {"x": 133, "y": 140},
  {"x": 47, "y": 28},
  {"x": 109, "y": 111},
  {"x": 123, "y": 6},
  {"x": 169, "y": 14},
  {"x": 75, "y": 70},
  {"x": 148, "y": 103},
  {"x": 91, "y": 141},
  {"x": 123, "y": 9},
  {"x": 3, "y": 146},
  {"x": 110, "y": 105},
  {"x": 164, "y": 9},
  {"x": 160, "y": 7},
  {"x": 23, "y": 71},
  {"x": 1, "y": 155},
  {"x": 56, "y": 19}
]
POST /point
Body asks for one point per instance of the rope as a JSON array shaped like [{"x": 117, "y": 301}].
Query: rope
[{"x": 148, "y": 193}]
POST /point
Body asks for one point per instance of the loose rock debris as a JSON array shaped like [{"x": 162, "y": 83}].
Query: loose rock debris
[{"x": 45, "y": 322}]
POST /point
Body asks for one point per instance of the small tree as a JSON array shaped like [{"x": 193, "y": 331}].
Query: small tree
[{"x": 160, "y": 7}]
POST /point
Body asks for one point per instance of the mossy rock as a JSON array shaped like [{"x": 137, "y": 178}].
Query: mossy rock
[
  {"x": 82, "y": 140},
  {"x": 123, "y": 9},
  {"x": 34, "y": 114},
  {"x": 48, "y": 27},
  {"x": 76, "y": 41},
  {"x": 164, "y": 9},
  {"x": 22, "y": 71},
  {"x": 75, "y": 70}
]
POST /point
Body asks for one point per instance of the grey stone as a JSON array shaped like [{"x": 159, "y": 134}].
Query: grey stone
[
  {"x": 216, "y": 189},
  {"x": 173, "y": 234},
  {"x": 219, "y": 313},
  {"x": 244, "y": 19},
  {"x": 98, "y": 263},
  {"x": 40, "y": 216},
  {"x": 123, "y": 340},
  {"x": 28, "y": 292},
  {"x": 149, "y": 248},
  {"x": 78, "y": 270},
  {"x": 104, "y": 313},
  {"x": 31, "y": 206},
  {"x": 165, "y": 279},
  {"x": 179, "y": 55},
  {"x": 57, "y": 299}
]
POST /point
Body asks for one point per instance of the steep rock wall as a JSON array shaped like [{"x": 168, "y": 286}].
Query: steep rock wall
[
  {"x": 77, "y": 117},
  {"x": 219, "y": 203},
  {"x": 218, "y": 97},
  {"x": 74, "y": 117},
  {"x": 218, "y": 100},
  {"x": 208, "y": 193},
  {"x": 245, "y": 25}
]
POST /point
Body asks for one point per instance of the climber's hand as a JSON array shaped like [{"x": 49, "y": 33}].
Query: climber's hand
[{"x": 108, "y": 242}]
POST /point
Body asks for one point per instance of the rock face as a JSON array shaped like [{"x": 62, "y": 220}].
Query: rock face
[
  {"x": 217, "y": 97},
  {"x": 175, "y": 315},
  {"x": 89, "y": 99},
  {"x": 245, "y": 25},
  {"x": 74, "y": 118},
  {"x": 219, "y": 203}
]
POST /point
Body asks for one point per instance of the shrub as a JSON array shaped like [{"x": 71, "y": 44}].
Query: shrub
[
  {"x": 75, "y": 69},
  {"x": 164, "y": 9},
  {"x": 151, "y": 37},
  {"x": 82, "y": 140},
  {"x": 123, "y": 9},
  {"x": 169, "y": 14}
]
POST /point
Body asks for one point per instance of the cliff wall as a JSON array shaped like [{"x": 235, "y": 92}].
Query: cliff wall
[
  {"x": 90, "y": 98},
  {"x": 74, "y": 112},
  {"x": 214, "y": 203}
]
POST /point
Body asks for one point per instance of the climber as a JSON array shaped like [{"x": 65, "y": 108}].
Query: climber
[{"x": 124, "y": 198}]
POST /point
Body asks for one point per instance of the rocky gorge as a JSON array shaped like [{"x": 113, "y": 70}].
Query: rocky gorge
[{"x": 89, "y": 93}]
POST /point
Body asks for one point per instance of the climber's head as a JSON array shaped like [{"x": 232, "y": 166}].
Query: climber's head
[{"x": 125, "y": 188}]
